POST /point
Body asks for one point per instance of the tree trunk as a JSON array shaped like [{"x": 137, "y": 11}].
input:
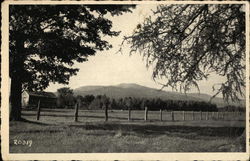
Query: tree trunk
[
  {"x": 38, "y": 111},
  {"x": 15, "y": 99},
  {"x": 16, "y": 74}
]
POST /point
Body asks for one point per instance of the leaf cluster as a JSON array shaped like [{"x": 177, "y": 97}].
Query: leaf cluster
[
  {"x": 46, "y": 40},
  {"x": 186, "y": 43}
]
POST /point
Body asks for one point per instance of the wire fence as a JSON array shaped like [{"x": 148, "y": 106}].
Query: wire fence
[{"x": 146, "y": 115}]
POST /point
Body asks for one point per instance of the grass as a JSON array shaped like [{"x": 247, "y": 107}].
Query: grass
[{"x": 56, "y": 132}]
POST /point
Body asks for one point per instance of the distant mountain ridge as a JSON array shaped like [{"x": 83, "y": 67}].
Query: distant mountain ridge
[{"x": 139, "y": 91}]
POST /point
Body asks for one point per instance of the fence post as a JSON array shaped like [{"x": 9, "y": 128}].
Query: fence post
[
  {"x": 172, "y": 115},
  {"x": 76, "y": 112},
  {"x": 160, "y": 114},
  {"x": 201, "y": 115},
  {"x": 206, "y": 115},
  {"x": 192, "y": 115},
  {"x": 38, "y": 111},
  {"x": 183, "y": 114},
  {"x": 146, "y": 114},
  {"x": 129, "y": 114},
  {"x": 106, "y": 113},
  {"x": 212, "y": 115},
  {"x": 217, "y": 115}
]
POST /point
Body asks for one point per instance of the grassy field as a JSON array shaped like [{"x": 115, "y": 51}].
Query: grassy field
[{"x": 56, "y": 132}]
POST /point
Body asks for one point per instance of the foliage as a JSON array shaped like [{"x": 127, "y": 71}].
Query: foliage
[
  {"x": 100, "y": 102},
  {"x": 186, "y": 43},
  {"x": 128, "y": 102},
  {"x": 105, "y": 101},
  {"x": 232, "y": 108},
  {"x": 152, "y": 104},
  {"x": 65, "y": 97},
  {"x": 46, "y": 40},
  {"x": 86, "y": 100}
]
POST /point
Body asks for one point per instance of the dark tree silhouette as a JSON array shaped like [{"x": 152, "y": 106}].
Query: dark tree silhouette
[
  {"x": 88, "y": 99},
  {"x": 113, "y": 104},
  {"x": 65, "y": 97},
  {"x": 186, "y": 43},
  {"x": 46, "y": 40}
]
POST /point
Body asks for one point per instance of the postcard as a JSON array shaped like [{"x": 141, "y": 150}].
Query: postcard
[{"x": 125, "y": 80}]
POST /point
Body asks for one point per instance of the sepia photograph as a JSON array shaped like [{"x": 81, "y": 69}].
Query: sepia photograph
[{"x": 120, "y": 77}]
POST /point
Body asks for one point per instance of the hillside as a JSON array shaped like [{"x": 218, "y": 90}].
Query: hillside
[
  {"x": 130, "y": 90},
  {"x": 135, "y": 90}
]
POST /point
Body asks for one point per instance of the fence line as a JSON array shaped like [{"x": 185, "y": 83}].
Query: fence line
[
  {"x": 191, "y": 115},
  {"x": 171, "y": 115}
]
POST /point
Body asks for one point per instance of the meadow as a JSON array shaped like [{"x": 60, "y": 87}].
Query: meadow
[{"x": 56, "y": 132}]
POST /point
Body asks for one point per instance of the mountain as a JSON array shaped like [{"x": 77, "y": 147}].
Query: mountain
[
  {"x": 135, "y": 90},
  {"x": 129, "y": 90}
]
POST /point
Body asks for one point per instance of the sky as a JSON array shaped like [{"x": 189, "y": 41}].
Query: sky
[{"x": 112, "y": 68}]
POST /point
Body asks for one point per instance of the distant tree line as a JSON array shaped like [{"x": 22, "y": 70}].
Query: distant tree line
[
  {"x": 232, "y": 108},
  {"x": 67, "y": 99},
  {"x": 155, "y": 104}
]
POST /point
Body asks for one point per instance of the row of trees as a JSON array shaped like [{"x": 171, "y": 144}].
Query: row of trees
[
  {"x": 66, "y": 99},
  {"x": 153, "y": 104},
  {"x": 232, "y": 108}
]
